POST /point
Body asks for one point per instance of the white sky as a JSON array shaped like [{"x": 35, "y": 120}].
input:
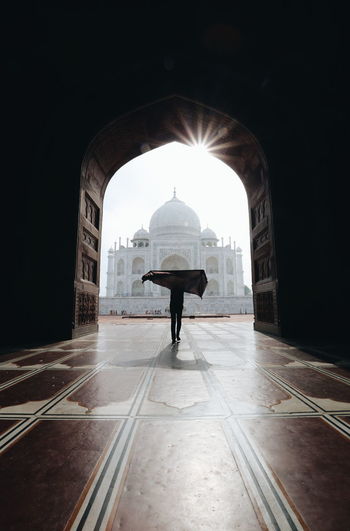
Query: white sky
[{"x": 203, "y": 182}]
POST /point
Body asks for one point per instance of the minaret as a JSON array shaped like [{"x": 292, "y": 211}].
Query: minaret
[
  {"x": 239, "y": 272},
  {"x": 110, "y": 273}
]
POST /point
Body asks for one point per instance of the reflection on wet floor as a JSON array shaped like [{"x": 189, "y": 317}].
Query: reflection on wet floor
[{"x": 227, "y": 429}]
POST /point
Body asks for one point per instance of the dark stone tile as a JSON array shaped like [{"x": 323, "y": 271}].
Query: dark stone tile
[
  {"x": 10, "y": 374},
  {"x": 182, "y": 476},
  {"x": 6, "y": 424},
  {"x": 40, "y": 386},
  {"x": 249, "y": 391},
  {"x": 305, "y": 356},
  {"x": 270, "y": 341},
  {"x": 316, "y": 384},
  {"x": 339, "y": 371},
  {"x": 74, "y": 346},
  {"x": 41, "y": 358},
  {"x": 106, "y": 387},
  {"x": 45, "y": 472},
  {"x": 12, "y": 355},
  {"x": 263, "y": 356},
  {"x": 310, "y": 460},
  {"x": 83, "y": 343},
  {"x": 88, "y": 357}
]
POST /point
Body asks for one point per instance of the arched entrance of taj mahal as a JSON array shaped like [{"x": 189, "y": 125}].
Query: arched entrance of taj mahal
[{"x": 174, "y": 119}]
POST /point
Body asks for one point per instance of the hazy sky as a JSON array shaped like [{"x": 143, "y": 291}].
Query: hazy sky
[{"x": 203, "y": 182}]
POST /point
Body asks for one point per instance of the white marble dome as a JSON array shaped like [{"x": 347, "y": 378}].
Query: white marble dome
[
  {"x": 174, "y": 218},
  {"x": 208, "y": 234},
  {"x": 141, "y": 234}
]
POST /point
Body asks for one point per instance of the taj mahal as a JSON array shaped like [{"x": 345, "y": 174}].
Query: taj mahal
[{"x": 174, "y": 241}]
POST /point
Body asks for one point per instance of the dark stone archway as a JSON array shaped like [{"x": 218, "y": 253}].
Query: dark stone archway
[
  {"x": 174, "y": 119},
  {"x": 70, "y": 71}
]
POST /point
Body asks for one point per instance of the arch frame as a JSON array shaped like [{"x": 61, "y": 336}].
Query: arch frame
[
  {"x": 212, "y": 262},
  {"x": 137, "y": 260},
  {"x": 213, "y": 282},
  {"x": 175, "y": 118},
  {"x": 177, "y": 256},
  {"x": 134, "y": 288}
]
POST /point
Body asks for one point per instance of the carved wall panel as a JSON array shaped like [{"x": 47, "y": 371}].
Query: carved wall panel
[
  {"x": 93, "y": 176},
  {"x": 262, "y": 268},
  {"x": 265, "y": 307},
  {"x": 91, "y": 211},
  {"x": 89, "y": 269},
  {"x": 261, "y": 239},
  {"x": 87, "y": 308},
  {"x": 163, "y": 253},
  {"x": 259, "y": 212},
  {"x": 90, "y": 240}
]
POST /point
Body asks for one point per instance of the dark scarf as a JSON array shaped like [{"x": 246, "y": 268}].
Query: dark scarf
[{"x": 189, "y": 280}]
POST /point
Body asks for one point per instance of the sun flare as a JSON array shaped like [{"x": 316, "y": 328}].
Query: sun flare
[{"x": 200, "y": 148}]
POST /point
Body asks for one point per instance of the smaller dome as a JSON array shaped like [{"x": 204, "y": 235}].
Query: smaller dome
[
  {"x": 208, "y": 234},
  {"x": 111, "y": 250},
  {"x": 239, "y": 250},
  {"x": 141, "y": 234}
]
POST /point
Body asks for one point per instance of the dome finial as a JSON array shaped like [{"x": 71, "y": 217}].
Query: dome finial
[{"x": 174, "y": 196}]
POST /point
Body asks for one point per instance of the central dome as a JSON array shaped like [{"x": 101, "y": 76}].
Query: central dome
[{"x": 174, "y": 219}]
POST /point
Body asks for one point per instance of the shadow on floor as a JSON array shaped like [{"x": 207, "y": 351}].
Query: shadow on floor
[{"x": 167, "y": 359}]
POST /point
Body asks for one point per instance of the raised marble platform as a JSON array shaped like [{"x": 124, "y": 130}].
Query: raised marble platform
[{"x": 192, "y": 305}]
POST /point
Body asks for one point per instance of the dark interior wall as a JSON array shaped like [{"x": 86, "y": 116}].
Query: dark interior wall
[{"x": 278, "y": 70}]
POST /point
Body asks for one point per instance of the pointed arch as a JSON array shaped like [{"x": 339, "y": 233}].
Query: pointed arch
[
  {"x": 176, "y": 118},
  {"x": 137, "y": 289},
  {"x": 138, "y": 266},
  {"x": 212, "y": 265},
  {"x": 174, "y": 261}
]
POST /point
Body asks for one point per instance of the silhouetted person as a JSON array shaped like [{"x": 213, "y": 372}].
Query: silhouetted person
[{"x": 176, "y": 306}]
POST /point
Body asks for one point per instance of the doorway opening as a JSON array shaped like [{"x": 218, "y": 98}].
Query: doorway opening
[
  {"x": 174, "y": 119},
  {"x": 150, "y": 224}
]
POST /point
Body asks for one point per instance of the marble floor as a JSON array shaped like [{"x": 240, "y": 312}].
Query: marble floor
[{"x": 228, "y": 429}]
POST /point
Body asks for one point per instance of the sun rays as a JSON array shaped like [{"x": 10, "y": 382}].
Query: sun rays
[{"x": 208, "y": 136}]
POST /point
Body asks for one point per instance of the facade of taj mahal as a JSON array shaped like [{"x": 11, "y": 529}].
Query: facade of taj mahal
[{"x": 174, "y": 241}]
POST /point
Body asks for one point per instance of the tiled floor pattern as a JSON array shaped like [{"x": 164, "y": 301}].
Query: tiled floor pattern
[{"x": 229, "y": 429}]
